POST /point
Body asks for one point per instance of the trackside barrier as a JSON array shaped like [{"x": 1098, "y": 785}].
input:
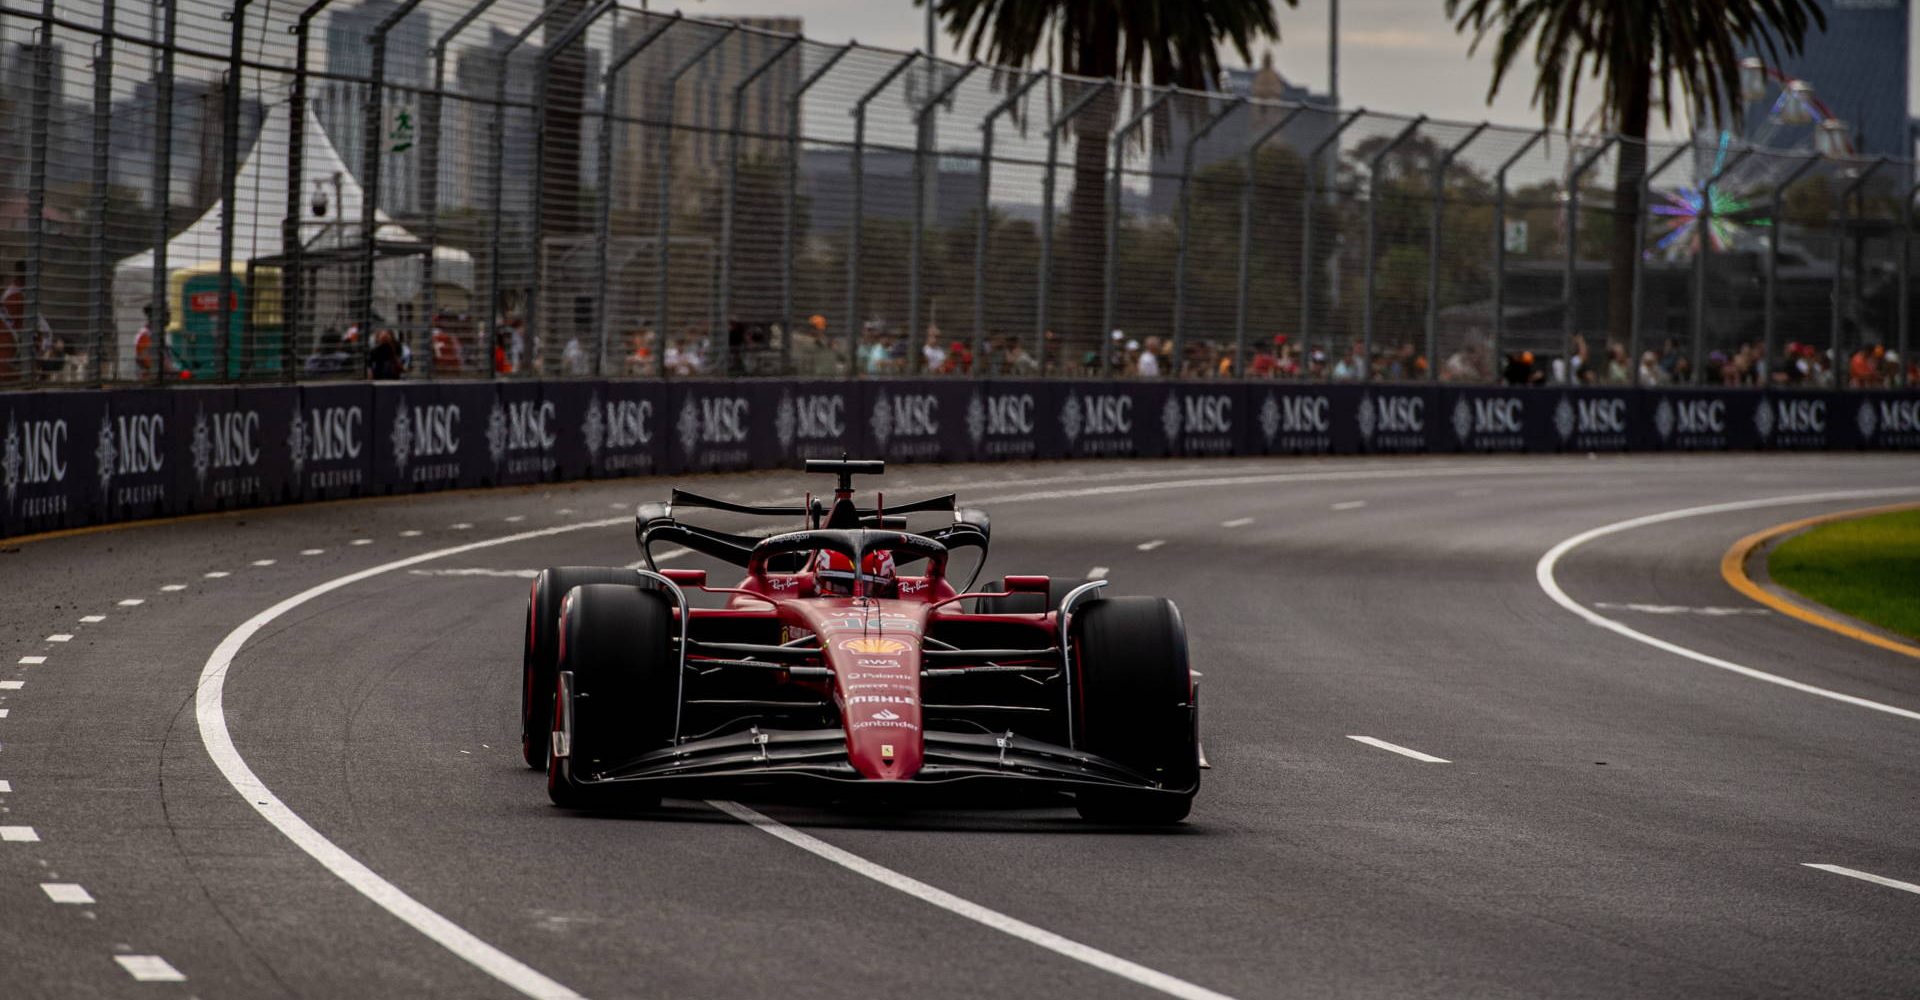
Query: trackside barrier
[{"x": 87, "y": 457}]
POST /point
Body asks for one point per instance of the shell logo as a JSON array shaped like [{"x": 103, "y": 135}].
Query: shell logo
[{"x": 874, "y": 645}]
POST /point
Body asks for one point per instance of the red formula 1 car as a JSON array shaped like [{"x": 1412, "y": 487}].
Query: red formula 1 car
[{"x": 846, "y": 659}]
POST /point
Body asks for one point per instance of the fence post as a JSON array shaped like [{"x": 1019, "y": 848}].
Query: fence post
[
  {"x": 371, "y": 136},
  {"x": 663, "y": 221},
  {"x": 1244, "y": 280},
  {"x": 604, "y": 223},
  {"x": 499, "y": 136},
  {"x": 858, "y": 169},
  {"x": 1434, "y": 226},
  {"x": 42, "y": 98},
  {"x": 1568, "y": 286},
  {"x": 1312, "y": 169},
  {"x": 984, "y": 221},
  {"x": 158, "y": 318},
  {"x": 727, "y": 208},
  {"x": 100, "y": 283},
  {"x": 1373, "y": 226},
  {"x": 789, "y": 209},
  {"x": 1494, "y": 357},
  {"x": 1634, "y": 339},
  {"x": 430, "y": 179},
  {"x": 1844, "y": 211},
  {"x": 292, "y": 248},
  {"x": 923, "y": 134},
  {"x": 229, "y": 175},
  {"x": 1903, "y": 318},
  {"x": 1769, "y": 317},
  {"x": 1046, "y": 213},
  {"x": 1110, "y": 299},
  {"x": 1180, "y": 252},
  {"x": 1703, "y": 229},
  {"x": 536, "y": 227}
]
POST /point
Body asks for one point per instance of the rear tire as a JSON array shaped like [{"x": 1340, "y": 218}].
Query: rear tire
[
  {"x": 1024, "y": 604},
  {"x": 1135, "y": 705},
  {"x": 617, "y": 645},
  {"x": 540, "y": 651}
]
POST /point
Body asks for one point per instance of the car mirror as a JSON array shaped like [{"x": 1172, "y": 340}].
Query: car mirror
[
  {"x": 1027, "y": 584},
  {"x": 686, "y": 577}
]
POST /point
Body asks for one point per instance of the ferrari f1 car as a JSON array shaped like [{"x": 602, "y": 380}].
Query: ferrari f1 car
[{"x": 846, "y": 659}]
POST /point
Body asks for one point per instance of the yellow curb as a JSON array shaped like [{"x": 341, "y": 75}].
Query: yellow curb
[{"x": 1733, "y": 569}]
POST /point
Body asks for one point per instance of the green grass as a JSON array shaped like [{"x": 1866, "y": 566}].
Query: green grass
[{"x": 1867, "y": 567}]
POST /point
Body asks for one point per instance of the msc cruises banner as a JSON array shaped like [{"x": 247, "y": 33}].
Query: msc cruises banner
[{"x": 70, "y": 458}]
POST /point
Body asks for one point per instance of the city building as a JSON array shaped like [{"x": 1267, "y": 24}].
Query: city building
[{"x": 1230, "y": 139}]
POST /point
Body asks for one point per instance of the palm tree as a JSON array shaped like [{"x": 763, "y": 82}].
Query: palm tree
[
  {"x": 1161, "y": 42},
  {"x": 1690, "y": 48}
]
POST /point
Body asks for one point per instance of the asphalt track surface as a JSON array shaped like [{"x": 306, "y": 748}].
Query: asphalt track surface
[{"x": 1613, "y": 820}]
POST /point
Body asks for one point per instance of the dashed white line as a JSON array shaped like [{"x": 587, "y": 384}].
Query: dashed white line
[
  {"x": 6, "y": 787},
  {"x": 1097, "y": 573},
  {"x": 1543, "y": 574},
  {"x": 361, "y": 541},
  {"x": 216, "y": 574},
  {"x": 311, "y": 552},
  {"x": 4, "y": 711},
  {"x": 617, "y": 506},
  {"x": 564, "y": 511},
  {"x": 462, "y": 526},
  {"x": 66, "y": 892},
  {"x": 1104, "y": 961},
  {"x": 92, "y": 619},
  {"x": 410, "y": 533},
  {"x": 523, "y": 574},
  {"x": 1890, "y": 883},
  {"x": 1681, "y": 609},
  {"x": 1150, "y": 546},
  {"x": 1350, "y": 505},
  {"x": 514, "y": 518},
  {"x": 263, "y": 562},
  {"x": 12, "y": 685},
  {"x": 172, "y": 587},
  {"x": 149, "y": 969},
  {"x": 1426, "y": 758},
  {"x": 19, "y": 835},
  {"x": 32, "y": 661},
  {"x": 1238, "y": 522},
  {"x": 133, "y": 602},
  {"x": 60, "y": 637}
]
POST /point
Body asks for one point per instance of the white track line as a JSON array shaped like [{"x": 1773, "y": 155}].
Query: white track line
[
  {"x": 4, "y": 712},
  {"x": 263, "y": 562},
  {"x": 311, "y": 552},
  {"x": 19, "y": 834},
  {"x": 1543, "y": 574},
  {"x": 1097, "y": 573},
  {"x": 1426, "y": 758},
  {"x": 12, "y": 685},
  {"x": 1238, "y": 522},
  {"x": 216, "y": 574},
  {"x": 172, "y": 587},
  {"x": 1866, "y": 877},
  {"x": 133, "y": 602},
  {"x": 31, "y": 661},
  {"x": 361, "y": 541},
  {"x": 6, "y": 788},
  {"x": 410, "y": 533},
  {"x": 60, "y": 637},
  {"x": 149, "y": 969},
  {"x": 91, "y": 619},
  {"x": 1349, "y": 505},
  {"x": 1150, "y": 546},
  {"x": 210, "y": 713},
  {"x": 1132, "y": 971},
  {"x": 66, "y": 892}
]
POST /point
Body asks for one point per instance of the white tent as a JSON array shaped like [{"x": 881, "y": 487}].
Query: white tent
[{"x": 259, "y": 206}]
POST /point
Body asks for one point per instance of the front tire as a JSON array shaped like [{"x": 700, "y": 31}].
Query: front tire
[
  {"x": 1134, "y": 704},
  {"x": 540, "y": 651},
  {"x": 616, "y": 646}
]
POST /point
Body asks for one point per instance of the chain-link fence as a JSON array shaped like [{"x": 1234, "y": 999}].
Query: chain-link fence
[{"x": 253, "y": 190}]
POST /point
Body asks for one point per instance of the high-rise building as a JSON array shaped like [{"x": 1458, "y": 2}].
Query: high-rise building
[
  {"x": 340, "y": 105},
  {"x": 702, "y": 101}
]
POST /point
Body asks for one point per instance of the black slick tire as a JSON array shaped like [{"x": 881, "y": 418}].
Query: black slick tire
[
  {"x": 540, "y": 650},
  {"x": 617, "y": 647},
  {"x": 1134, "y": 705}
]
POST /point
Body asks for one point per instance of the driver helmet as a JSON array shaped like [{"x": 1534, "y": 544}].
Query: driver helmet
[{"x": 833, "y": 573}]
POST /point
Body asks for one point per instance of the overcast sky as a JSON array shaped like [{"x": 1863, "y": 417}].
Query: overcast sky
[{"x": 1395, "y": 55}]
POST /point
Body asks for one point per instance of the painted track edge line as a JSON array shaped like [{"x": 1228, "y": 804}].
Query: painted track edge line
[
  {"x": 1733, "y": 569},
  {"x": 1106, "y": 962},
  {"x": 1543, "y": 575},
  {"x": 210, "y": 713}
]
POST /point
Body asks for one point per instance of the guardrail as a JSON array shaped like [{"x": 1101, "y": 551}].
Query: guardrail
[{"x": 87, "y": 457}]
